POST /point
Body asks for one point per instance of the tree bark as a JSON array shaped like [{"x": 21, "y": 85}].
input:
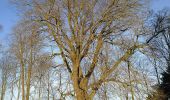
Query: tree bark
[
  {"x": 3, "y": 87},
  {"x": 19, "y": 86},
  {"x": 29, "y": 72},
  {"x": 28, "y": 83},
  {"x": 80, "y": 88}
]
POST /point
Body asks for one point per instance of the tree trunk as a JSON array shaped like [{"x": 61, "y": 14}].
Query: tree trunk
[
  {"x": 29, "y": 69},
  {"x": 29, "y": 76},
  {"x": 82, "y": 95},
  {"x": 39, "y": 95},
  {"x": 80, "y": 88},
  {"x": 2, "y": 91},
  {"x": 48, "y": 86},
  {"x": 28, "y": 83},
  {"x": 12, "y": 88},
  {"x": 19, "y": 86},
  {"x": 22, "y": 81},
  {"x": 22, "y": 69},
  {"x": 3, "y": 87}
]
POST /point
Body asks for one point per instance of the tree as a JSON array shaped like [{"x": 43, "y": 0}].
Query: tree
[
  {"x": 4, "y": 77},
  {"x": 160, "y": 45},
  {"x": 27, "y": 48},
  {"x": 165, "y": 85},
  {"x": 81, "y": 29},
  {"x": 7, "y": 68}
]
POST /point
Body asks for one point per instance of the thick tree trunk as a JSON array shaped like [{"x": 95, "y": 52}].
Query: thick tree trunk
[
  {"x": 83, "y": 95},
  {"x": 80, "y": 88}
]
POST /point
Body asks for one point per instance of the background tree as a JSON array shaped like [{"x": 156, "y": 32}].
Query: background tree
[
  {"x": 27, "y": 47},
  {"x": 160, "y": 46}
]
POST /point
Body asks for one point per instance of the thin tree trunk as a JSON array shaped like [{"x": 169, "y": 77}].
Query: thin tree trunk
[
  {"x": 131, "y": 87},
  {"x": 12, "y": 88},
  {"x": 2, "y": 91},
  {"x": 39, "y": 96},
  {"x": 22, "y": 68},
  {"x": 156, "y": 70},
  {"x": 48, "y": 87},
  {"x": 22, "y": 80},
  {"x": 19, "y": 87},
  {"x": 3, "y": 87}
]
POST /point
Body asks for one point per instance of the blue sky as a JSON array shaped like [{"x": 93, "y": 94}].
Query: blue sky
[
  {"x": 160, "y": 4},
  {"x": 9, "y": 16}
]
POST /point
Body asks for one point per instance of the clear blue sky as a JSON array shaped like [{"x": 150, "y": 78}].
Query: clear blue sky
[
  {"x": 160, "y": 4},
  {"x": 8, "y": 15},
  {"x": 8, "y": 18}
]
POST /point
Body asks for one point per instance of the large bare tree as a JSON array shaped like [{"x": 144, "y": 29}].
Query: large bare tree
[{"x": 82, "y": 30}]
